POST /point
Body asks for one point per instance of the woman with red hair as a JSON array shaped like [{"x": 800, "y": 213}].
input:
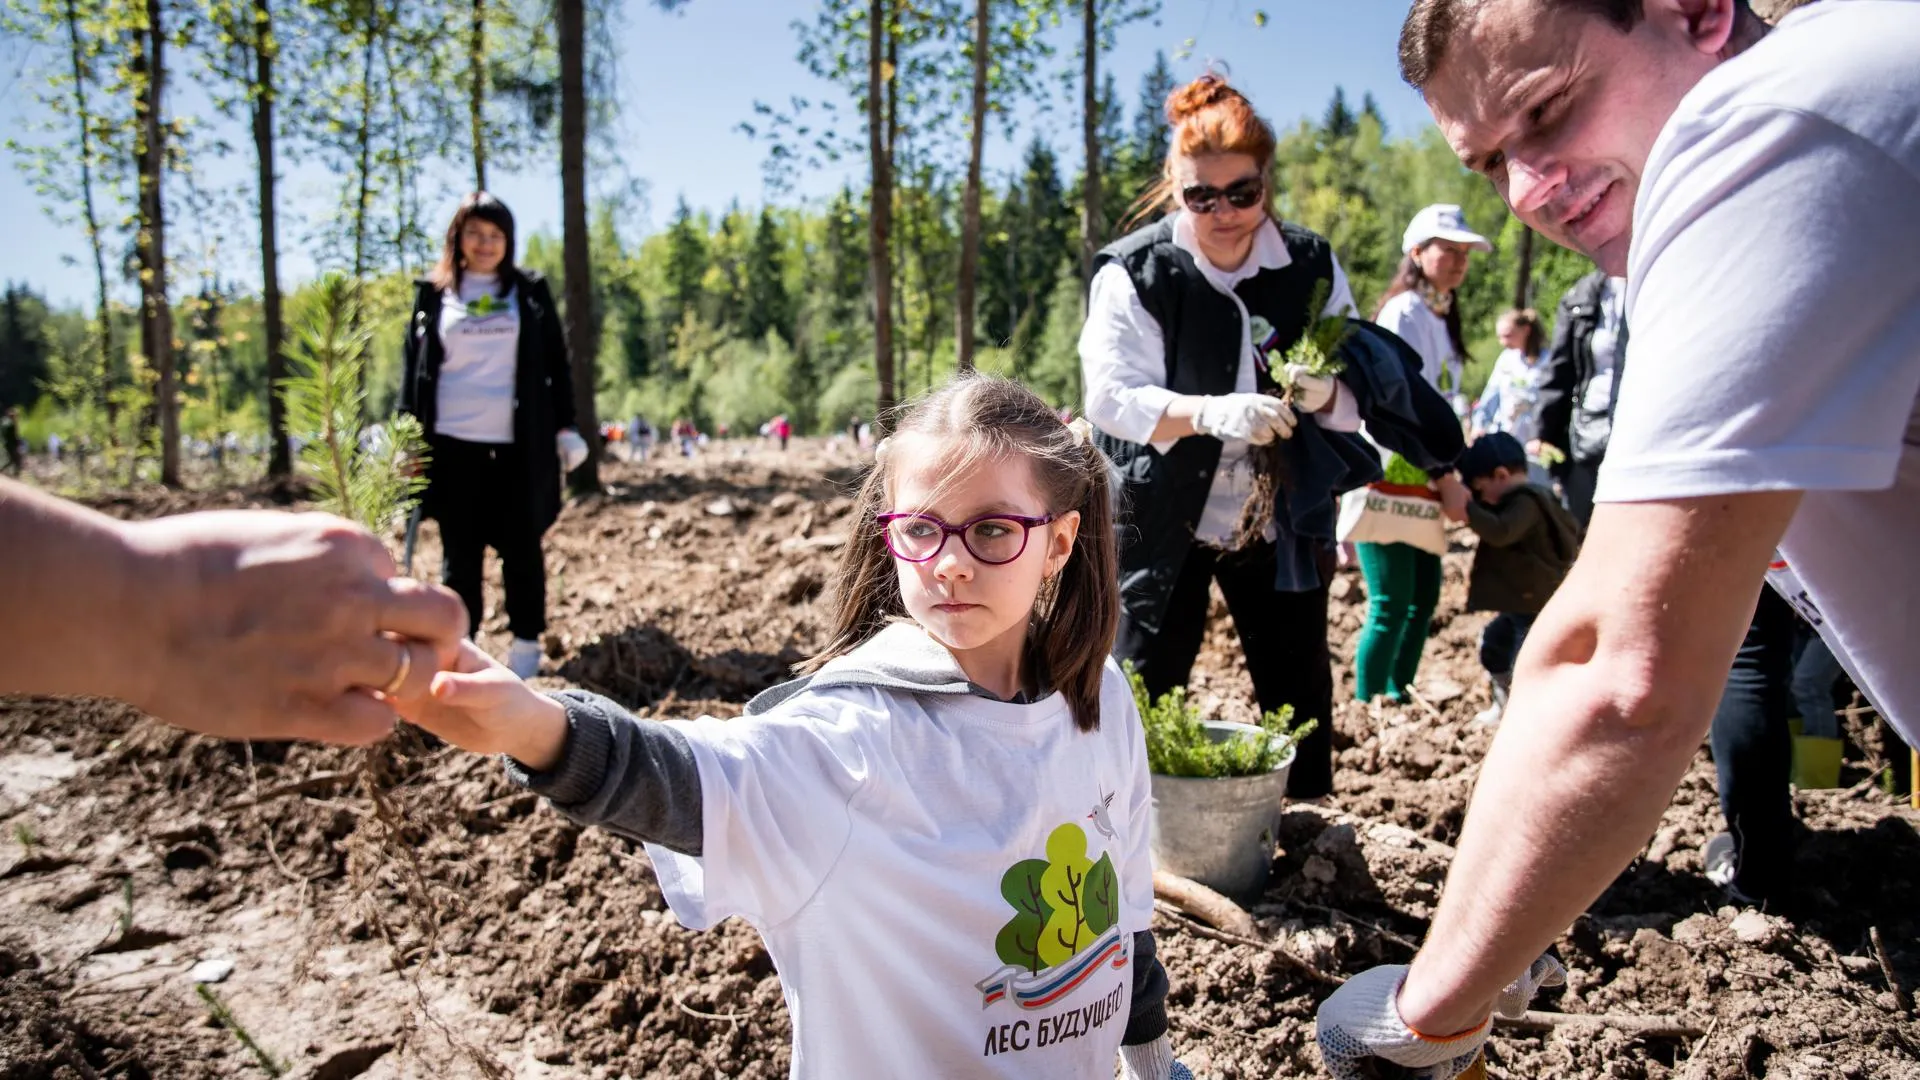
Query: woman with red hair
[{"x": 1182, "y": 317}]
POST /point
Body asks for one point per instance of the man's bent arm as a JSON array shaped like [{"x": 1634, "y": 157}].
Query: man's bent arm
[{"x": 1614, "y": 690}]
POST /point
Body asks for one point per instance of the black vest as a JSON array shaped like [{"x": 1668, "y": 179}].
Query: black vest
[{"x": 1165, "y": 494}]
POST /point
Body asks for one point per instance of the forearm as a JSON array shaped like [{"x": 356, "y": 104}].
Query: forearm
[
  {"x": 631, "y": 776},
  {"x": 68, "y": 575},
  {"x": 1614, "y": 690},
  {"x": 1177, "y": 421},
  {"x": 1535, "y": 852}
]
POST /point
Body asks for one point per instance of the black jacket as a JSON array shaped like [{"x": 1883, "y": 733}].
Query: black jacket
[
  {"x": 1564, "y": 421},
  {"x": 543, "y": 387}
]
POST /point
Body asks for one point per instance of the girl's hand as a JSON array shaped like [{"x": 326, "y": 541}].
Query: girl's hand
[{"x": 481, "y": 706}]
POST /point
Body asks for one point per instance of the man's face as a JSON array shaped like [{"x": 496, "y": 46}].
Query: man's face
[{"x": 1560, "y": 109}]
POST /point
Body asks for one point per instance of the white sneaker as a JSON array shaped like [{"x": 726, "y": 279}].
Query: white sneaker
[
  {"x": 1722, "y": 863},
  {"x": 523, "y": 659}
]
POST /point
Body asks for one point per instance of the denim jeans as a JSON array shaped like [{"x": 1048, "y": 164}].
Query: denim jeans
[
  {"x": 1753, "y": 750},
  {"x": 1500, "y": 642}
]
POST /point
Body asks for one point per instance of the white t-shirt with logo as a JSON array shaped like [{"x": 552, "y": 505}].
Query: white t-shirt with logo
[
  {"x": 480, "y": 340},
  {"x": 1775, "y": 307},
  {"x": 949, "y": 885}
]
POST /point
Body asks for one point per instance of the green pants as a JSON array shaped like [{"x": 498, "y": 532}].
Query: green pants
[{"x": 1403, "y": 587}]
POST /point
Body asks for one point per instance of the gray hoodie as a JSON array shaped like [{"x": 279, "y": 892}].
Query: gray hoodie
[{"x": 639, "y": 778}]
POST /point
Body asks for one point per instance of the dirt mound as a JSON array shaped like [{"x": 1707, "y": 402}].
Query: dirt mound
[{"x": 134, "y": 852}]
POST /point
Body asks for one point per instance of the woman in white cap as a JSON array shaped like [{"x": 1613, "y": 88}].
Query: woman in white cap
[{"x": 1403, "y": 581}]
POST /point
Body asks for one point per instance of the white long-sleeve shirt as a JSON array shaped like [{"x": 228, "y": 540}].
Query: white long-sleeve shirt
[{"x": 1123, "y": 361}]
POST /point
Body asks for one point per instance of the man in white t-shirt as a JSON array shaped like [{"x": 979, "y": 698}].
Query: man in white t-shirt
[{"x": 1761, "y": 194}]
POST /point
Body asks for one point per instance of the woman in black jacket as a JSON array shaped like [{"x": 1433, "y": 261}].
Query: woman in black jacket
[
  {"x": 1183, "y": 318},
  {"x": 487, "y": 375}
]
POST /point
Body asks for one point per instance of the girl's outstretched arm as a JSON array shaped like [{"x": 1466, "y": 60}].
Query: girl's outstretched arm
[{"x": 597, "y": 763}]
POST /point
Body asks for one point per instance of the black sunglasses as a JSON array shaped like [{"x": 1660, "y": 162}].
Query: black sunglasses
[{"x": 1242, "y": 194}]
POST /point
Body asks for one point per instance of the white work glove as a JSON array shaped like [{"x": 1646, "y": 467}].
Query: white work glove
[
  {"x": 1152, "y": 1061},
  {"x": 1362, "y": 1020},
  {"x": 1311, "y": 393},
  {"x": 1256, "y": 418},
  {"x": 573, "y": 449}
]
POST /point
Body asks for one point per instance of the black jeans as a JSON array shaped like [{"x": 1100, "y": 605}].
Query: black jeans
[
  {"x": 1578, "y": 484},
  {"x": 1500, "y": 642},
  {"x": 1283, "y": 636},
  {"x": 479, "y": 498},
  {"x": 1753, "y": 750}
]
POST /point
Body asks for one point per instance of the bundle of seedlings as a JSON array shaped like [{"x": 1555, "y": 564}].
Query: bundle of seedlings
[
  {"x": 371, "y": 475},
  {"x": 1178, "y": 743},
  {"x": 1316, "y": 353}
]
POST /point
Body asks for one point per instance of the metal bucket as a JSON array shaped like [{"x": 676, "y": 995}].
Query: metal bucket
[{"x": 1220, "y": 831}]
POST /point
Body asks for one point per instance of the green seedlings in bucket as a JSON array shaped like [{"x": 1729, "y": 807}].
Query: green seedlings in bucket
[
  {"x": 226, "y": 1019},
  {"x": 1400, "y": 471},
  {"x": 1178, "y": 743}
]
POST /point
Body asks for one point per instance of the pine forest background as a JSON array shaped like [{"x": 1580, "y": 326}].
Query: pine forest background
[{"x": 824, "y": 309}]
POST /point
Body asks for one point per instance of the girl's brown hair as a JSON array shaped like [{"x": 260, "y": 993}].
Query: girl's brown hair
[
  {"x": 481, "y": 204},
  {"x": 1208, "y": 117},
  {"x": 1410, "y": 278},
  {"x": 978, "y": 418},
  {"x": 1528, "y": 320}
]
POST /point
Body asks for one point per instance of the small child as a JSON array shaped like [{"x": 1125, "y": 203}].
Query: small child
[
  {"x": 941, "y": 831},
  {"x": 1527, "y": 542}
]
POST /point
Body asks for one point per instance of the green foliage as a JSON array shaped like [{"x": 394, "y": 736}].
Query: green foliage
[
  {"x": 1318, "y": 350},
  {"x": 1178, "y": 743},
  {"x": 325, "y": 397},
  {"x": 1401, "y": 471}
]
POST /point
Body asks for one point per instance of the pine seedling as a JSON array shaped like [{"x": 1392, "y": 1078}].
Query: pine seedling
[
  {"x": 326, "y": 398},
  {"x": 1178, "y": 743},
  {"x": 1318, "y": 350}
]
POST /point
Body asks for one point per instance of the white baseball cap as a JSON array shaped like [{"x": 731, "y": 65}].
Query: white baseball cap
[{"x": 1442, "y": 221}]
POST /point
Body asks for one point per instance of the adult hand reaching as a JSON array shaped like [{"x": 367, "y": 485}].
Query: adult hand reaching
[{"x": 241, "y": 624}]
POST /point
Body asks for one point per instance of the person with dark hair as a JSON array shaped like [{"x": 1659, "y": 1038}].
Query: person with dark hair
[
  {"x": 1403, "y": 580},
  {"x": 1183, "y": 317},
  {"x": 487, "y": 375},
  {"x": 10, "y": 436},
  {"x": 1759, "y": 191},
  {"x": 1527, "y": 542},
  {"x": 1510, "y": 402},
  {"x": 963, "y": 744},
  {"x": 1584, "y": 369}
]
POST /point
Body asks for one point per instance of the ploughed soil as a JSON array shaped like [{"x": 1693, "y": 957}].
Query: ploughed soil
[{"x": 459, "y": 928}]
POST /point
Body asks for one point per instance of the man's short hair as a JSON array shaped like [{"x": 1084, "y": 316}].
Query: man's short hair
[
  {"x": 1431, "y": 24},
  {"x": 1489, "y": 452}
]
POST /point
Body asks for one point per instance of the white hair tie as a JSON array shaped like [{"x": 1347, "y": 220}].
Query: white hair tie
[{"x": 1082, "y": 429}]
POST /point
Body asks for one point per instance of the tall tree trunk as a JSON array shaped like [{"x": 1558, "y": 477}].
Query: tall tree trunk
[
  {"x": 83, "y": 114},
  {"x": 156, "y": 316},
  {"x": 1090, "y": 122},
  {"x": 364, "y": 204},
  {"x": 279, "y": 453},
  {"x": 880, "y": 217},
  {"x": 970, "y": 220},
  {"x": 583, "y": 326},
  {"x": 1523, "y": 273},
  {"x": 477, "y": 93}
]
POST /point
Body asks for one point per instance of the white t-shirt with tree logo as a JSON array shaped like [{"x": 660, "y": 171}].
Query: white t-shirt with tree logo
[{"x": 949, "y": 885}]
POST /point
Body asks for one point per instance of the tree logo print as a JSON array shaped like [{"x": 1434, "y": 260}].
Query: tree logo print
[{"x": 1061, "y": 904}]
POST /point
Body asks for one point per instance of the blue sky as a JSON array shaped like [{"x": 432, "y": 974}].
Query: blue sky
[{"x": 688, "y": 79}]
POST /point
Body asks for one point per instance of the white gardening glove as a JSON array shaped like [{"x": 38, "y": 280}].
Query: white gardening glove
[
  {"x": 1256, "y": 418},
  {"x": 1518, "y": 995},
  {"x": 1311, "y": 393},
  {"x": 1362, "y": 1021},
  {"x": 1151, "y": 1061},
  {"x": 573, "y": 449}
]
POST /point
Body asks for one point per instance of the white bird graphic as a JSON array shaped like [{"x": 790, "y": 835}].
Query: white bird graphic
[{"x": 1102, "y": 822}]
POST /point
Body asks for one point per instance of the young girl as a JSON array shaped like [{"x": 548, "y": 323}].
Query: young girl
[
  {"x": 941, "y": 831},
  {"x": 1511, "y": 401}
]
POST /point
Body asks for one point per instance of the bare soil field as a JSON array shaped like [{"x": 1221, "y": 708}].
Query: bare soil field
[{"x": 491, "y": 935}]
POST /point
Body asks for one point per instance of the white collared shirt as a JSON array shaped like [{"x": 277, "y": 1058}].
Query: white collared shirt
[{"x": 1123, "y": 361}]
